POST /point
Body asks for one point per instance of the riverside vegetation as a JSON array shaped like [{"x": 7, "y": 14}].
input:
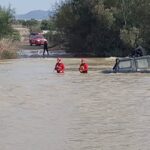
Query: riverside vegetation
[
  {"x": 98, "y": 27},
  {"x": 104, "y": 27},
  {"x": 9, "y": 37},
  {"x": 91, "y": 27}
]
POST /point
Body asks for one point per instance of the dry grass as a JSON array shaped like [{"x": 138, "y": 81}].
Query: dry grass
[
  {"x": 24, "y": 33},
  {"x": 8, "y": 49}
]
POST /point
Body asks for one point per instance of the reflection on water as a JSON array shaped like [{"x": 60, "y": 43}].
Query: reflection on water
[{"x": 40, "y": 109}]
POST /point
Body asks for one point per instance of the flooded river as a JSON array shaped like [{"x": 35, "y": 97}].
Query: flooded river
[{"x": 41, "y": 110}]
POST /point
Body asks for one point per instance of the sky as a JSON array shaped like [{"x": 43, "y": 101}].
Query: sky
[{"x": 24, "y": 6}]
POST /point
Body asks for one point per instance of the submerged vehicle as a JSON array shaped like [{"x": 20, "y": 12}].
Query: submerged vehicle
[{"x": 132, "y": 64}]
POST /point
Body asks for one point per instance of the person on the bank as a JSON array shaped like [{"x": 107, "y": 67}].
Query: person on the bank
[
  {"x": 59, "y": 67},
  {"x": 83, "y": 66},
  {"x": 137, "y": 52},
  {"x": 45, "y": 48}
]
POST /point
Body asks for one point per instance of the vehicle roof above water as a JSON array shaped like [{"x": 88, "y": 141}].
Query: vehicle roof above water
[{"x": 132, "y": 64}]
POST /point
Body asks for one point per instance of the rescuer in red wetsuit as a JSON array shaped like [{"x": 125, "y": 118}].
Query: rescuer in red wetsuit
[
  {"x": 83, "y": 66},
  {"x": 59, "y": 67}
]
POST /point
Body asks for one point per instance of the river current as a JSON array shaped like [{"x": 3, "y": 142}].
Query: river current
[{"x": 42, "y": 110}]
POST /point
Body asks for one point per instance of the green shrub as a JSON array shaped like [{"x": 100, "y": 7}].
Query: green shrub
[{"x": 16, "y": 36}]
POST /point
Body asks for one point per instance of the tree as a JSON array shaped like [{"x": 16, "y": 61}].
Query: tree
[
  {"x": 6, "y": 18},
  {"x": 104, "y": 27}
]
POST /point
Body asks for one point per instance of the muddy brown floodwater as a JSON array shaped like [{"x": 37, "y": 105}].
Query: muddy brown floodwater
[{"x": 41, "y": 110}]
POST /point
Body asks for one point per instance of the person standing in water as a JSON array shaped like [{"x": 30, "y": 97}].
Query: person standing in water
[
  {"x": 83, "y": 66},
  {"x": 45, "y": 48},
  {"x": 59, "y": 67}
]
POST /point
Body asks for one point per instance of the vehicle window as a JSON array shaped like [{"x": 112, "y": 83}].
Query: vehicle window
[
  {"x": 39, "y": 36},
  {"x": 142, "y": 63},
  {"x": 33, "y": 34},
  {"x": 125, "y": 64}
]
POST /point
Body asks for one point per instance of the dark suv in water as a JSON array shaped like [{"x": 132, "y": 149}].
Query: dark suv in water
[{"x": 135, "y": 64}]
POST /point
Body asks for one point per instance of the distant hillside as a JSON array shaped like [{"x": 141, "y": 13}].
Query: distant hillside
[{"x": 35, "y": 14}]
